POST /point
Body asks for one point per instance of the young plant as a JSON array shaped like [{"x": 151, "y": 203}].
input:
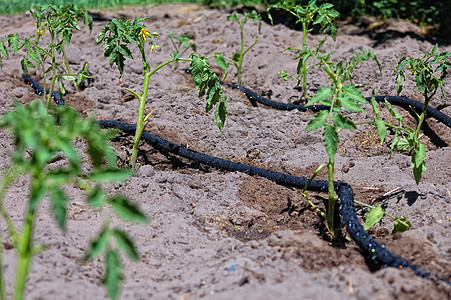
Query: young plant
[
  {"x": 59, "y": 22},
  {"x": 116, "y": 36},
  {"x": 183, "y": 44},
  {"x": 341, "y": 96},
  {"x": 429, "y": 70},
  {"x": 307, "y": 15},
  {"x": 37, "y": 147},
  {"x": 237, "y": 57}
]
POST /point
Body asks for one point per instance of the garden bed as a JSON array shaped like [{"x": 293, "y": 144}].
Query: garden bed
[{"x": 222, "y": 235}]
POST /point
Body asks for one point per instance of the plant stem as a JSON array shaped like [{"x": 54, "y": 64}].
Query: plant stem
[
  {"x": 304, "y": 47},
  {"x": 423, "y": 112},
  {"x": 332, "y": 199},
  {"x": 52, "y": 85},
  {"x": 240, "y": 60},
  {"x": 66, "y": 63},
  {"x": 142, "y": 104},
  {"x": 25, "y": 253}
]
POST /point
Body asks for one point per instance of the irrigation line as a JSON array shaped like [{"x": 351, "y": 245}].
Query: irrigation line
[
  {"x": 403, "y": 102},
  {"x": 348, "y": 215}
]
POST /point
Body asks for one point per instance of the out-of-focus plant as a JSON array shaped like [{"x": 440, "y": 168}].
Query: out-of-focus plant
[
  {"x": 40, "y": 137},
  {"x": 59, "y": 22}
]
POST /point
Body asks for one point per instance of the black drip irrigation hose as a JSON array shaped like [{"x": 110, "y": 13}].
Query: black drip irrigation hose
[
  {"x": 40, "y": 91},
  {"x": 349, "y": 218},
  {"x": 403, "y": 102}
]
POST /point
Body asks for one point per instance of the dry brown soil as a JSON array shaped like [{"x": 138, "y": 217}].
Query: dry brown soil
[{"x": 219, "y": 235}]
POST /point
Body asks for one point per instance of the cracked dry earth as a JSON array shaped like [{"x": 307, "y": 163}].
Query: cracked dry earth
[{"x": 221, "y": 235}]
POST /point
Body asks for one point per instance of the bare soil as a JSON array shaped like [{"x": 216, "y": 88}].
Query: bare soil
[{"x": 219, "y": 235}]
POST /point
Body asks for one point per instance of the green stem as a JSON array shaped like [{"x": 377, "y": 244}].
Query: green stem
[
  {"x": 52, "y": 85},
  {"x": 423, "y": 112},
  {"x": 304, "y": 47},
  {"x": 332, "y": 198},
  {"x": 142, "y": 104},
  {"x": 25, "y": 254},
  {"x": 240, "y": 60}
]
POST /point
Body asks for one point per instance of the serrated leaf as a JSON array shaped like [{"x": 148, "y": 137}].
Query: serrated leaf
[
  {"x": 221, "y": 114},
  {"x": 331, "y": 140},
  {"x": 343, "y": 122},
  {"x": 318, "y": 120},
  {"x": 220, "y": 60},
  {"x": 373, "y": 216},
  {"x": 381, "y": 129},
  {"x": 98, "y": 244},
  {"x": 126, "y": 210},
  {"x": 401, "y": 225},
  {"x": 125, "y": 244},
  {"x": 3, "y": 49},
  {"x": 392, "y": 111},
  {"x": 13, "y": 42},
  {"x": 113, "y": 277},
  {"x": 102, "y": 34},
  {"x": 323, "y": 94},
  {"x": 350, "y": 99}
]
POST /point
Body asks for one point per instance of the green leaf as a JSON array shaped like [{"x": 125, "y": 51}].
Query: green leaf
[
  {"x": 113, "y": 277},
  {"x": 284, "y": 75},
  {"x": 13, "y": 42},
  {"x": 58, "y": 201},
  {"x": 343, "y": 122},
  {"x": 323, "y": 94},
  {"x": 331, "y": 140},
  {"x": 350, "y": 98},
  {"x": 3, "y": 49},
  {"x": 221, "y": 114},
  {"x": 96, "y": 197},
  {"x": 98, "y": 245},
  {"x": 419, "y": 155},
  {"x": 25, "y": 62},
  {"x": 220, "y": 60},
  {"x": 34, "y": 56},
  {"x": 373, "y": 216},
  {"x": 318, "y": 120},
  {"x": 125, "y": 244},
  {"x": 104, "y": 175},
  {"x": 126, "y": 210},
  {"x": 401, "y": 225},
  {"x": 393, "y": 112},
  {"x": 381, "y": 129}
]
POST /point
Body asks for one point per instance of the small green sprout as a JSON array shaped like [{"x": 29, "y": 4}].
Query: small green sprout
[
  {"x": 237, "y": 57},
  {"x": 307, "y": 15}
]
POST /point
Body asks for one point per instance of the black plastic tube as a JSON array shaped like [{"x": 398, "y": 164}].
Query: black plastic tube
[
  {"x": 347, "y": 211},
  {"x": 396, "y": 100},
  {"x": 348, "y": 214},
  {"x": 40, "y": 91}
]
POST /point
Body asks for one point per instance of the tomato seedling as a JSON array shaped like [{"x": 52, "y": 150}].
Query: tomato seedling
[
  {"x": 59, "y": 22},
  {"x": 116, "y": 36},
  {"x": 237, "y": 57},
  {"x": 307, "y": 15}
]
